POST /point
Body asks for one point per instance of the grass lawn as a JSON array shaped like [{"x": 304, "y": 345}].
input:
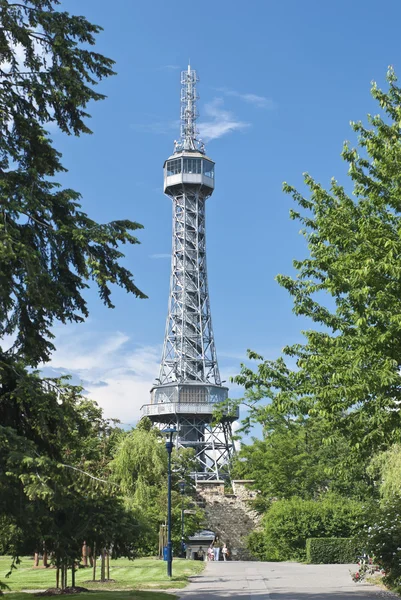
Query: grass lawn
[
  {"x": 143, "y": 573},
  {"x": 104, "y": 596}
]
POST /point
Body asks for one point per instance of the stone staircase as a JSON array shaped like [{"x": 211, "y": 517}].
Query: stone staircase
[{"x": 230, "y": 516}]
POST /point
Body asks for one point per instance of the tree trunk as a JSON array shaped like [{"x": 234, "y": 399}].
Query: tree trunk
[
  {"x": 85, "y": 555},
  {"x": 65, "y": 573},
  {"x": 108, "y": 565},
  {"x": 94, "y": 562},
  {"x": 103, "y": 566},
  {"x": 36, "y": 560},
  {"x": 89, "y": 555},
  {"x": 73, "y": 574},
  {"x": 45, "y": 564},
  {"x": 58, "y": 575}
]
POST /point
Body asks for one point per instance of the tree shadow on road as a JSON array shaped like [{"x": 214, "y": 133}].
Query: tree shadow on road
[{"x": 366, "y": 593}]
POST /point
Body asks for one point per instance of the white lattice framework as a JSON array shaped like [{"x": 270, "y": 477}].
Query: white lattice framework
[
  {"x": 189, "y": 352},
  {"x": 213, "y": 444},
  {"x": 189, "y": 383}
]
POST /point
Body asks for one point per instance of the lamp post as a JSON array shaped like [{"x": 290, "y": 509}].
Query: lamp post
[
  {"x": 182, "y": 492},
  {"x": 169, "y": 447}
]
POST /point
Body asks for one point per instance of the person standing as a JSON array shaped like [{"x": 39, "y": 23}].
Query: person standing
[
  {"x": 224, "y": 552},
  {"x": 216, "y": 549},
  {"x": 210, "y": 553}
]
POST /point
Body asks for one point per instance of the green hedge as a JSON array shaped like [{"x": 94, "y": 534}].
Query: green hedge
[
  {"x": 330, "y": 551},
  {"x": 289, "y": 523}
]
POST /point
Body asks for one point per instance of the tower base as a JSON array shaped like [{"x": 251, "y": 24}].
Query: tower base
[{"x": 212, "y": 443}]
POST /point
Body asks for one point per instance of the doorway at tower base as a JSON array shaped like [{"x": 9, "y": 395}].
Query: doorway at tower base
[{"x": 230, "y": 515}]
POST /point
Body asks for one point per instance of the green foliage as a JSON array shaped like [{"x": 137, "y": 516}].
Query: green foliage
[
  {"x": 381, "y": 538},
  {"x": 128, "y": 595},
  {"x": 256, "y": 544},
  {"x": 139, "y": 468},
  {"x": 327, "y": 551},
  {"x": 49, "y": 248},
  {"x": 289, "y": 523},
  {"x": 348, "y": 370},
  {"x": 386, "y": 467},
  {"x": 140, "y": 464},
  {"x": 55, "y": 446},
  {"x": 293, "y": 459}
]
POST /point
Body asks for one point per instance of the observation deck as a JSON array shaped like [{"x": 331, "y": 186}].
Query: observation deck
[
  {"x": 160, "y": 411},
  {"x": 188, "y": 169},
  {"x": 186, "y": 399}
]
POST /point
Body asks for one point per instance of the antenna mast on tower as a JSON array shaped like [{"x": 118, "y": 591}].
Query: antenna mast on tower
[{"x": 189, "y": 134}]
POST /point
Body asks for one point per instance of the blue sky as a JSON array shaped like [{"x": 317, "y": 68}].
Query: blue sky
[{"x": 280, "y": 82}]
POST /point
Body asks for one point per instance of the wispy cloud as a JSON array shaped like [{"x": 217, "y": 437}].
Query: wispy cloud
[
  {"x": 113, "y": 370},
  {"x": 169, "y": 68},
  {"x": 159, "y": 255},
  {"x": 158, "y": 127},
  {"x": 221, "y": 121},
  {"x": 255, "y": 99}
]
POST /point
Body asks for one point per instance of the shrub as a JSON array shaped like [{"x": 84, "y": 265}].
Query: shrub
[
  {"x": 256, "y": 544},
  {"x": 326, "y": 551},
  {"x": 289, "y": 523},
  {"x": 382, "y": 539}
]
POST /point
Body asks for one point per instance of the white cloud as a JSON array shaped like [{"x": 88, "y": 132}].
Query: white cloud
[
  {"x": 255, "y": 99},
  {"x": 19, "y": 54},
  {"x": 222, "y": 121},
  {"x": 114, "y": 372},
  {"x": 159, "y": 255},
  {"x": 235, "y": 427},
  {"x": 169, "y": 68},
  {"x": 158, "y": 127}
]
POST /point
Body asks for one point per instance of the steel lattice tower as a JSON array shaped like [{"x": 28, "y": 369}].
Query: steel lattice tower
[{"x": 189, "y": 384}]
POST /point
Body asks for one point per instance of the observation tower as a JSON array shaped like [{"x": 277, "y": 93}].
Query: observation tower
[{"x": 189, "y": 384}]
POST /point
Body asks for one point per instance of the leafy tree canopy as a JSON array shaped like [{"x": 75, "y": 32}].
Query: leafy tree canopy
[
  {"x": 55, "y": 450},
  {"x": 139, "y": 467},
  {"x": 294, "y": 459},
  {"x": 348, "y": 371},
  {"x": 49, "y": 248}
]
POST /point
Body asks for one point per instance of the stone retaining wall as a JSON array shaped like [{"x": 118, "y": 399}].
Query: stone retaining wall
[{"x": 230, "y": 516}]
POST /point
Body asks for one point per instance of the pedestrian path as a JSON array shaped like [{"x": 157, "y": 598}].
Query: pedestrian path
[{"x": 278, "y": 581}]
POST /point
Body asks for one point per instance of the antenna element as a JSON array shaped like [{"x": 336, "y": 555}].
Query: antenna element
[{"x": 189, "y": 140}]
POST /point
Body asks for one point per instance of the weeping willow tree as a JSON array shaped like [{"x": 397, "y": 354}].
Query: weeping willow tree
[
  {"x": 140, "y": 469},
  {"x": 140, "y": 465}
]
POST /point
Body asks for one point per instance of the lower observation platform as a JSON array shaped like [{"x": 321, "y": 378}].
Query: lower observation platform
[
  {"x": 190, "y": 398},
  {"x": 188, "y": 408},
  {"x": 158, "y": 412}
]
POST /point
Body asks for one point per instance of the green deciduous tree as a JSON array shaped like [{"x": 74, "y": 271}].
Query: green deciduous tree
[
  {"x": 294, "y": 459},
  {"x": 348, "y": 370},
  {"x": 140, "y": 469},
  {"x": 386, "y": 467},
  {"x": 55, "y": 450}
]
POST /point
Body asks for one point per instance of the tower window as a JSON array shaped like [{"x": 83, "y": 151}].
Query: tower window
[
  {"x": 192, "y": 165},
  {"x": 208, "y": 169},
  {"x": 173, "y": 167}
]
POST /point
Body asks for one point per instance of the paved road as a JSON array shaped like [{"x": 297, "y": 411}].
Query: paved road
[{"x": 278, "y": 581}]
